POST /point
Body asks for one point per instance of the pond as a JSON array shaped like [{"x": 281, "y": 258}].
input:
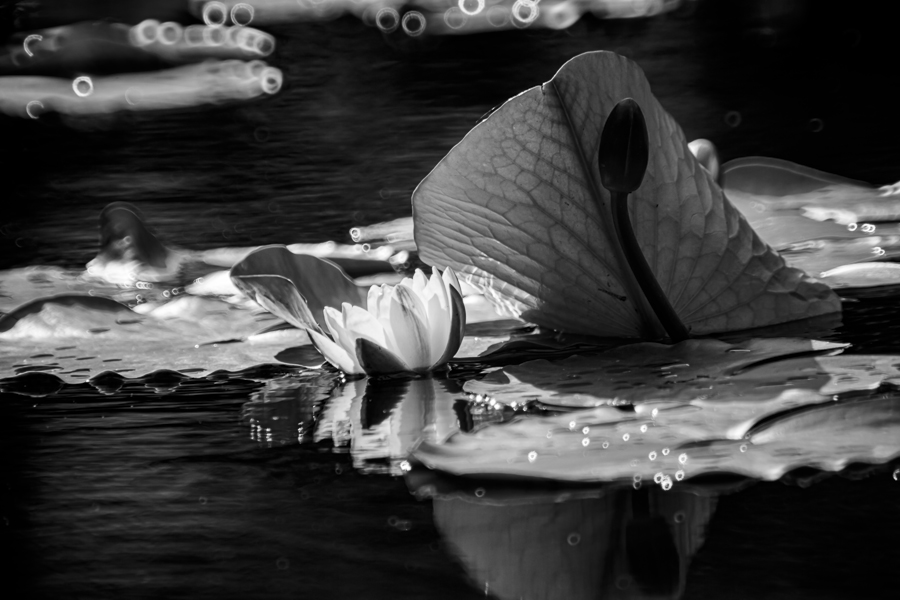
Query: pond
[{"x": 277, "y": 481}]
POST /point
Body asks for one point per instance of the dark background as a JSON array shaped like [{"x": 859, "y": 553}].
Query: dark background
[{"x": 363, "y": 118}]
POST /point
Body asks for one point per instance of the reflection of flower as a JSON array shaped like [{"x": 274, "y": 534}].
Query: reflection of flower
[{"x": 416, "y": 325}]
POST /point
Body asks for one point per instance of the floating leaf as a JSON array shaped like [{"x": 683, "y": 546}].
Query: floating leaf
[
  {"x": 518, "y": 208},
  {"x": 815, "y": 219},
  {"x": 605, "y": 444},
  {"x": 77, "y": 337}
]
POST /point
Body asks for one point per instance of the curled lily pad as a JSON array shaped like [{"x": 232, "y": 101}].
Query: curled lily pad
[
  {"x": 517, "y": 208},
  {"x": 296, "y": 287}
]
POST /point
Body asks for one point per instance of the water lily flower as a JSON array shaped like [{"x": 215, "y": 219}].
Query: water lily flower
[{"x": 414, "y": 326}]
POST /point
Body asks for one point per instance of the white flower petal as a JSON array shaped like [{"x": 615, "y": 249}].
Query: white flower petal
[
  {"x": 437, "y": 326},
  {"x": 409, "y": 328},
  {"x": 334, "y": 354},
  {"x": 362, "y": 323},
  {"x": 334, "y": 322},
  {"x": 449, "y": 278},
  {"x": 374, "y": 299},
  {"x": 419, "y": 281}
]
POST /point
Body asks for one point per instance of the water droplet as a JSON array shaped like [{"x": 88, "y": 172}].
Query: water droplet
[
  {"x": 654, "y": 412},
  {"x": 743, "y": 447},
  {"x": 625, "y": 437},
  {"x": 549, "y": 434},
  {"x": 605, "y": 445},
  {"x": 679, "y": 517},
  {"x": 896, "y": 474},
  {"x": 657, "y": 478},
  {"x": 643, "y": 429},
  {"x": 202, "y": 499},
  {"x": 652, "y": 456},
  {"x": 636, "y": 485},
  {"x": 666, "y": 484},
  {"x": 679, "y": 475},
  {"x": 585, "y": 442},
  {"x": 479, "y": 492},
  {"x": 405, "y": 466},
  {"x": 532, "y": 456},
  {"x": 867, "y": 228},
  {"x": 572, "y": 425},
  {"x": 665, "y": 451},
  {"x": 586, "y": 430},
  {"x": 682, "y": 458},
  {"x": 732, "y": 118},
  {"x": 851, "y": 227},
  {"x": 637, "y": 477},
  {"x": 573, "y": 539}
]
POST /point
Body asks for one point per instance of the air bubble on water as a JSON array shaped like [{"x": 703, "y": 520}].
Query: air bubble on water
[
  {"x": 658, "y": 477},
  {"x": 454, "y": 18},
  {"x": 732, "y": 118},
  {"x": 571, "y": 425},
  {"x": 34, "y": 37},
  {"x": 654, "y": 412},
  {"x": 636, "y": 485},
  {"x": 83, "y": 86},
  {"x": 387, "y": 20},
  {"x": 480, "y": 492},
  {"x": 549, "y": 434},
  {"x": 605, "y": 445},
  {"x": 586, "y": 430},
  {"x": 532, "y": 456},
  {"x": 743, "y": 447},
  {"x": 644, "y": 428},
  {"x": 679, "y": 475},
  {"x": 585, "y": 442},
  {"x": 573, "y": 539},
  {"x": 852, "y": 227},
  {"x": 242, "y": 14},
  {"x": 625, "y": 437},
  {"x": 652, "y": 456},
  {"x": 405, "y": 466},
  {"x": 464, "y": 6},
  {"x": 679, "y": 517},
  {"x": 524, "y": 12},
  {"x": 636, "y": 477},
  {"x": 34, "y": 108},
  {"x": 867, "y": 228},
  {"x": 878, "y": 251},
  {"x": 665, "y": 451},
  {"x": 896, "y": 474},
  {"x": 666, "y": 484},
  {"x": 682, "y": 458},
  {"x": 413, "y": 23}
]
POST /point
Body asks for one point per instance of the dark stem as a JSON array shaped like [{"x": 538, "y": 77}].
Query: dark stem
[{"x": 644, "y": 276}]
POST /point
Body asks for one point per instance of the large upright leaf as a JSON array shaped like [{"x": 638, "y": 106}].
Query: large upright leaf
[{"x": 518, "y": 209}]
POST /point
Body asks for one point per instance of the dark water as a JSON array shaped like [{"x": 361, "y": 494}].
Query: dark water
[{"x": 240, "y": 488}]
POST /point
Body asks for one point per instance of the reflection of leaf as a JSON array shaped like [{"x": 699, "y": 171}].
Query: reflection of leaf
[
  {"x": 281, "y": 281},
  {"x": 517, "y": 206},
  {"x": 574, "y": 546}
]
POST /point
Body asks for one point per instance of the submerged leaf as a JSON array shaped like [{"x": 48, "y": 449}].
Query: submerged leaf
[{"x": 517, "y": 208}]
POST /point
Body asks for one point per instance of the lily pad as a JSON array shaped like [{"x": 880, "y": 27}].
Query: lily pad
[
  {"x": 517, "y": 208},
  {"x": 670, "y": 446},
  {"x": 76, "y": 337}
]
